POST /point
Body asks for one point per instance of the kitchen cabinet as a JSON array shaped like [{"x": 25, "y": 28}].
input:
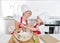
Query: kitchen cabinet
[{"x": 10, "y": 25}]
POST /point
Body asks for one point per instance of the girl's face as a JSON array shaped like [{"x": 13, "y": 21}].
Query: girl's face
[{"x": 27, "y": 14}]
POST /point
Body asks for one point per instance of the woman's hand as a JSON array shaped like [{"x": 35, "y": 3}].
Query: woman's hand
[
  {"x": 22, "y": 25},
  {"x": 15, "y": 40}
]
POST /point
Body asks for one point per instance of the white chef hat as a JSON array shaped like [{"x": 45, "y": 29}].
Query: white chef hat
[{"x": 25, "y": 8}]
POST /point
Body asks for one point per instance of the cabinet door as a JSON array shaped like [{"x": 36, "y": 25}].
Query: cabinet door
[{"x": 10, "y": 25}]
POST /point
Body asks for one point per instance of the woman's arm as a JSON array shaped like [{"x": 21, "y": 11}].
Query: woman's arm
[
  {"x": 35, "y": 30},
  {"x": 11, "y": 40},
  {"x": 16, "y": 27},
  {"x": 17, "y": 24}
]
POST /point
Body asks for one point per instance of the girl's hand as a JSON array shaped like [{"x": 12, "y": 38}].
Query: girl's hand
[
  {"x": 31, "y": 28},
  {"x": 31, "y": 23}
]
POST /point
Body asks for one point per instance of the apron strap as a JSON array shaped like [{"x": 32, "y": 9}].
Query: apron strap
[
  {"x": 26, "y": 22},
  {"x": 21, "y": 21},
  {"x": 19, "y": 26}
]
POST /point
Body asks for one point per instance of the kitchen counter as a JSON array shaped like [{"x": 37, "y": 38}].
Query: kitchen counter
[
  {"x": 52, "y": 28},
  {"x": 4, "y": 38},
  {"x": 57, "y": 36},
  {"x": 52, "y": 24}
]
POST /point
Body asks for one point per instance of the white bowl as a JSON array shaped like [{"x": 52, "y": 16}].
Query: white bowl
[{"x": 24, "y": 36}]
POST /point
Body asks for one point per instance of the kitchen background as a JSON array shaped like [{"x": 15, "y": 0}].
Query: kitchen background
[{"x": 49, "y": 8}]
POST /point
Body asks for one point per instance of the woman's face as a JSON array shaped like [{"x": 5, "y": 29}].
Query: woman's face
[{"x": 27, "y": 14}]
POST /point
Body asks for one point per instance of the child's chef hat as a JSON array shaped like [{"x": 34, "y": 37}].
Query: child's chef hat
[
  {"x": 25, "y": 8},
  {"x": 44, "y": 17}
]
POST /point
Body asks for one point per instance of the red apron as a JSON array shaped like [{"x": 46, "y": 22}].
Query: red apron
[{"x": 37, "y": 31}]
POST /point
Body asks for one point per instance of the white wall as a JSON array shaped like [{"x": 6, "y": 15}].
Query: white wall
[
  {"x": 51, "y": 7},
  {"x": 38, "y": 7},
  {"x": 2, "y": 26},
  {"x": 11, "y": 7},
  {"x": 1, "y": 21},
  {"x": 0, "y": 9}
]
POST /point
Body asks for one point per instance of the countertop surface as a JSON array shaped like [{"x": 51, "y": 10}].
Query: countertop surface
[{"x": 4, "y": 38}]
